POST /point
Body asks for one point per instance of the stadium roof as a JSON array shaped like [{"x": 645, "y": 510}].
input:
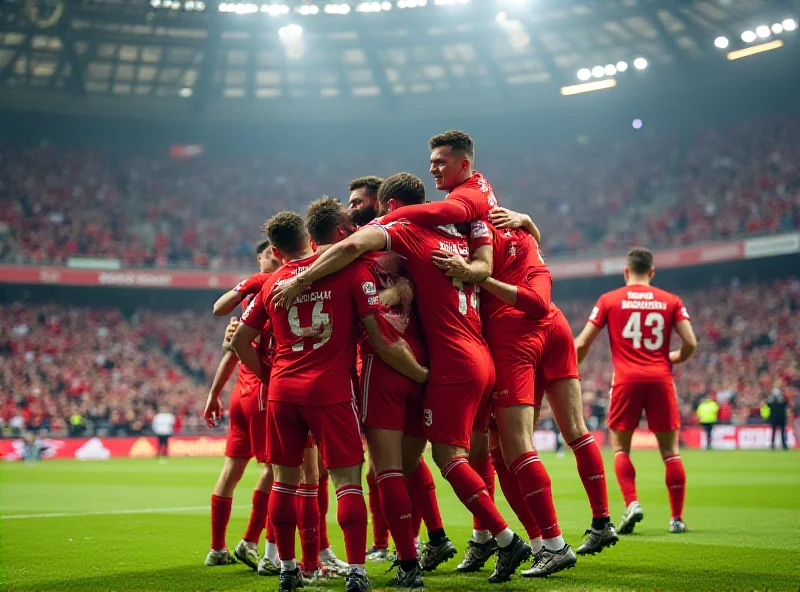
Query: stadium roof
[{"x": 233, "y": 59}]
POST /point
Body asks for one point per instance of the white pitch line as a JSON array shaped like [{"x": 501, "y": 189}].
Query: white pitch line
[{"x": 108, "y": 512}]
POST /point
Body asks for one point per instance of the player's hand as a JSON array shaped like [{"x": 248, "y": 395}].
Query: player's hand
[
  {"x": 283, "y": 296},
  {"x": 233, "y": 324},
  {"x": 451, "y": 264},
  {"x": 427, "y": 375},
  {"x": 504, "y": 218},
  {"x": 213, "y": 410},
  {"x": 675, "y": 356},
  {"x": 401, "y": 293}
]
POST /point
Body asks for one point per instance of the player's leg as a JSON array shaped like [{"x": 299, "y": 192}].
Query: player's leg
[
  {"x": 626, "y": 477},
  {"x": 565, "y": 401},
  {"x": 379, "y": 550},
  {"x": 327, "y": 557},
  {"x": 337, "y": 431},
  {"x": 448, "y": 426},
  {"x": 221, "y": 502},
  {"x": 308, "y": 511},
  {"x": 481, "y": 463}
]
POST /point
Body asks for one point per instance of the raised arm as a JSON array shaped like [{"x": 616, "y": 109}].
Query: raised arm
[
  {"x": 369, "y": 238},
  {"x": 397, "y": 355},
  {"x": 505, "y": 218},
  {"x": 688, "y": 342},
  {"x": 436, "y": 213},
  {"x": 584, "y": 341},
  {"x": 227, "y": 302}
]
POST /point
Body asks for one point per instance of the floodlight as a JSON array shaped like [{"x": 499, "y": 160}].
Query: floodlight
[
  {"x": 721, "y": 42},
  {"x": 290, "y": 33},
  {"x": 748, "y": 36},
  {"x": 584, "y": 74},
  {"x": 598, "y": 72},
  {"x": 622, "y": 66},
  {"x": 762, "y": 31},
  {"x": 610, "y": 70},
  {"x": 789, "y": 24},
  {"x": 640, "y": 63}
]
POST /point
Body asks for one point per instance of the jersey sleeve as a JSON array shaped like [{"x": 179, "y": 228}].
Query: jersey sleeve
[
  {"x": 438, "y": 213},
  {"x": 252, "y": 284},
  {"x": 365, "y": 291},
  {"x": 679, "y": 311},
  {"x": 598, "y": 314},
  {"x": 533, "y": 297},
  {"x": 256, "y": 315},
  {"x": 397, "y": 237},
  {"x": 480, "y": 235}
]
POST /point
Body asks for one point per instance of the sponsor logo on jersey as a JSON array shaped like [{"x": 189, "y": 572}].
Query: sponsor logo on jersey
[
  {"x": 250, "y": 306},
  {"x": 428, "y": 418},
  {"x": 369, "y": 288},
  {"x": 455, "y": 248},
  {"x": 373, "y": 300},
  {"x": 479, "y": 229}
]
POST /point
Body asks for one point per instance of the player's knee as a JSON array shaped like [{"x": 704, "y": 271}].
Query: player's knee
[{"x": 346, "y": 476}]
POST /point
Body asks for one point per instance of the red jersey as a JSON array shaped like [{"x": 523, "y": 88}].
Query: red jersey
[
  {"x": 477, "y": 195},
  {"x": 517, "y": 262},
  {"x": 315, "y": 340},
  {"x": 640, "y": 320},
  {"x": 249, "y": 288},
  {"x": 448, "y": 309}
]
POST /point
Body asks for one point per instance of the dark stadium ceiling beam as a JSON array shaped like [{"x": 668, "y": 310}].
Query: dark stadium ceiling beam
[
  {"x": 375, "y": 65},
  {"x": 667, "y": 38},
  {"x": 75, "y": 83},
  {"x": 23, "y": 49},
  {"x": 204, "y": 85}
]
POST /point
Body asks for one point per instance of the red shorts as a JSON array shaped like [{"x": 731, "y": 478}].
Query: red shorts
[
  {"x": 336, "y": 430},
  {"x": 658, "y": 400},
  {"x": 517, "y": 352},
  {"x": 247, "y": 436},
  {"x": 559, "y": 359},
  {"x": 452, "y": 408},
  {"x": 388, "y": 400}
]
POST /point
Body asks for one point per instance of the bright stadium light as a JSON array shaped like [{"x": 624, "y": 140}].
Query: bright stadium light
[
  {"x": 637, "y": 124},
  {"x": 290, "y": 33},
  {"x": 155, "y": 3},
  {"x": 185, "y": 92},
  {"x": 610, "y": 70},
  {"x": 622, "y": 66},
  {"x": 449, "y": 2},
  {"x": 411, "y": 3},
  {"x": 748, "y": 36},
  {"x": 777, "y": 28},
  {"x": 640, "y": 63},
  {"x": 762, "y": 31},
  {"x": 275, "y": 9},
  {"x": 755, "y": 49},
  {"x": 789, "y": 24},
  {"x": 308, "y": 9},
  {"x": 501, "y": 17},
  {"x": 337, "y": 8},
  {"x": 576, "y": 89},
  {"x": 721, "y": 42},
  {"x": 373, "y": 6},
  {"x": 598, "y": 72},
  {"x": 584, "y": 74}
]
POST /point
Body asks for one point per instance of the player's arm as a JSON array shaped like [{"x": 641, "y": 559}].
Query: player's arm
[
  {"x": 504, "y": 218},
  {"x": 475, "y": 271},
  {"x": 532, "y": 299},
  {"x": 227, "y": 302},
  {"x": 396, "y": 354},
  {"x": 688, "y": 342},
  {"x": 225, "y": 369},
  {"x": 401, "y": 293},
  {"x": 584, "y": 341},
  {"x": 369, "y": 238},
  {"x": 436, "y": 213},
  {"x": 242, "y": 344}
]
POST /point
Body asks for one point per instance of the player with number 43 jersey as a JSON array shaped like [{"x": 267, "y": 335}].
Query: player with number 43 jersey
[{"x": 640, "y": 320}]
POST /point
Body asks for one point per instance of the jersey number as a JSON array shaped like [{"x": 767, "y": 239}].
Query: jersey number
[
  {"x": 474, "y": 301},
  {"x": 321, "y": 327},
  {"x": 633, "y": 330}
]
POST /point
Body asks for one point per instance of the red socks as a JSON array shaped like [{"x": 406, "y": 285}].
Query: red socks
[
  {"x": 220, "y": 514},
  {"x": 485, "y": 471},
  {"x": 592, "y": 472},
  {"x": 258, "y": 517},
  {"x": 380, "y": 528},
  {"x": 471, "y": 490},
  {"x": 396, "y": 505},
  {"x": 510, "y": 488},
  {"x": 322, "y": 502},
  {"x": 676, "y": 484},
  {"x": 308, "y": 523},
  {"x": 283, "y": 516},
  {"x": 416, "y": 517},
  {"x": 534, "y": 482},
  {"x": 626, "y": 476},
  {"x": 352, "y": 515},
  {"x": 422, "y": 489}
]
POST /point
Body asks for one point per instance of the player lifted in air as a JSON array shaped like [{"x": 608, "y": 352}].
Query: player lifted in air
[
  {"x": 640, "y": 320},
  {"x": 462, "y": 372},
  {"x": 247, "y": 431},
  {"x": 310, "y": 391}
]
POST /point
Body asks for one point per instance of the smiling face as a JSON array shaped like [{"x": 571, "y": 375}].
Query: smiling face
[
  {"x": 449, "y": 168},
  {"x": 362, "y": 206}
]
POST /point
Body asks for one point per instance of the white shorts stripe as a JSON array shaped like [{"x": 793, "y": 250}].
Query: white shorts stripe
[{"x": 366, "y": 371}]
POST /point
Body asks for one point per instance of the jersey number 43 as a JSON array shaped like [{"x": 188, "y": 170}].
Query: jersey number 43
[{"x": 653, "y": 323}]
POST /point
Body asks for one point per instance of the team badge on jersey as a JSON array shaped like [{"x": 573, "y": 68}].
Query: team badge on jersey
[{"x": 369, "y": 288}]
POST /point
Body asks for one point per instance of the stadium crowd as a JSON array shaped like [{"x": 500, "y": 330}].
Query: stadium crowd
[
  {"x": 655, "y": 190},
  {"x": 78, "y": 370}
]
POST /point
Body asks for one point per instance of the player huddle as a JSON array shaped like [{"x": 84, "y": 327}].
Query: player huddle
[{"x": 401, "y": 323}]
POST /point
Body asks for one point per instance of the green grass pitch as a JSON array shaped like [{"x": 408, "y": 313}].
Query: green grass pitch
[{"x": 743, "y": 509}]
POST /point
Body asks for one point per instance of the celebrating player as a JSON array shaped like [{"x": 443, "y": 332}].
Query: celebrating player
[
  {"x": 246, "y": 435},
  {"x": 640, "y": 320},
  {"x": 309, "y": 388},
  {"x": 463, "y": 372},
  {"x": 363, "y": 202}
]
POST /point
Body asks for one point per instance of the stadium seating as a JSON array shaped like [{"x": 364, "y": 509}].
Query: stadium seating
[
  {"x": 113, "y": 371},
  {"x": 656, "y": 190}
]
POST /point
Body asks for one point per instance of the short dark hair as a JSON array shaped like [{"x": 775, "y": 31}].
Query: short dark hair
[
  {"x": 457, "y": 140},
  {"x": 406, "y": 188},
  {"x": 286, "y": 231},
  {"x": 370, "y": 184},
  {"x": 640, "y": 261},
  {"x": 263, "y": 246},
  {"x": 322, "y": 218}
]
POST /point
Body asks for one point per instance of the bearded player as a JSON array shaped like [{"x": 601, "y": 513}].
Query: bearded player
[
  {"x": 640, "y": 320},
  {"x": 310, "y": 390},
  {"x": 463, "y": 372}
]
